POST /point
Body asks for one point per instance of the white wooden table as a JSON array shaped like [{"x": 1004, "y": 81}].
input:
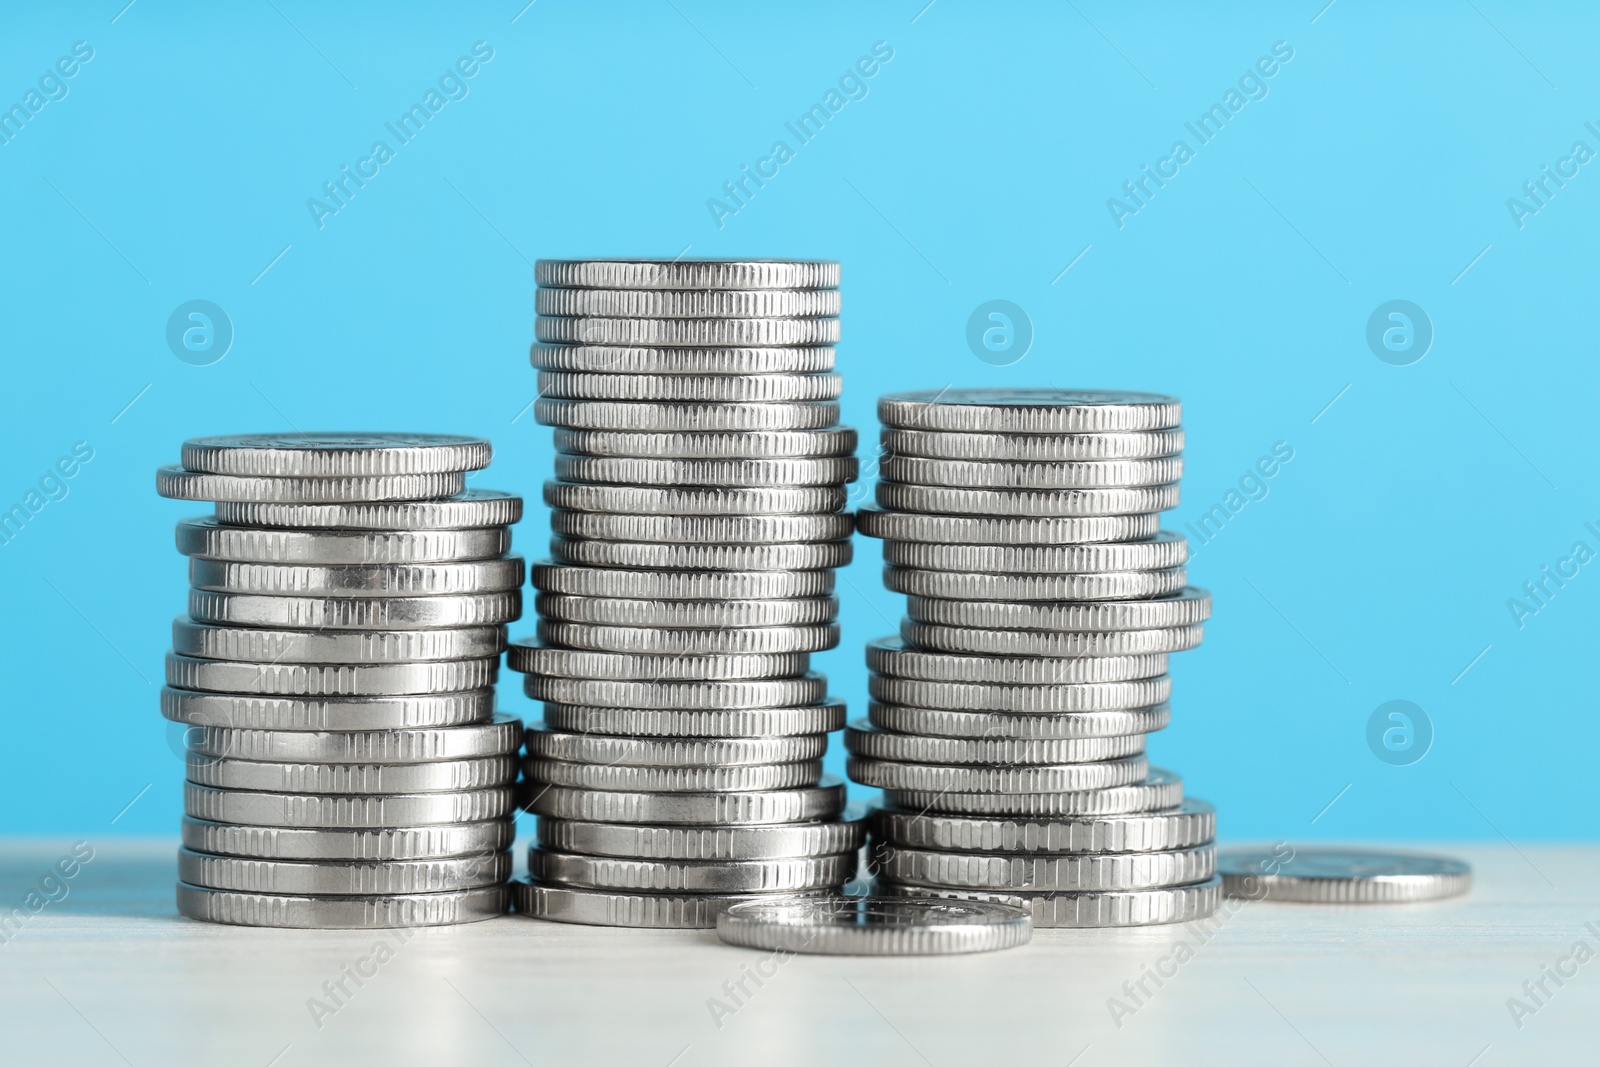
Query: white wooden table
[{"x": 109, "y": 974}]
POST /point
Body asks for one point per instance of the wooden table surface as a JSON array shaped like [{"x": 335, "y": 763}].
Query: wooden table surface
[{"x": 109, "y": 974}]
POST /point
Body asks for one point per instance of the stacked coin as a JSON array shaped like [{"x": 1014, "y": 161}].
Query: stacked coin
[
  {"x": 335, "y": 676},
  {"x": 696, "y": 523},
  {"x": 1008, "y": 719}
]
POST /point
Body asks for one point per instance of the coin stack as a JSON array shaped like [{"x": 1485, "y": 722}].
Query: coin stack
[
  {"x": 335, "y": 678},
  {"x": 696, "y": 524},
  {"x": 1008, "y": 719}
]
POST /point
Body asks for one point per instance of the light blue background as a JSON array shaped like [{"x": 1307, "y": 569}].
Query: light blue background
[{"x": 978, "y": 167}]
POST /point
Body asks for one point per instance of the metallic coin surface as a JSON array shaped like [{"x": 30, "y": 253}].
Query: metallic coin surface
[
  {"x": 863, "y": 740},
  {"x": 688, "y": 304},
  {"x": 335, "y": 455},
  {"x": 616, "y": 778},
  {"x": 175, "y": 483},
  {"x": 342, "y": 913},
  {"x": 330, "y": 679},
  {"x": 703, "y": 529},
  {"x": 688, "y": 614},
  {"x": 1160, "y": 789},
  {"x": 825, "y": 800},
  {"x": 819, "y": 718},
  {"x": 826, "y": 442},
  {"x": 688, "y": 333},
  {"x": 1107, "y": 585},
  {"x": 688, "y": 642},
  {"x": 1191, "y": 606},
  {"x": 797, "y": 556},
  {"x": 619, "y": 359},
  {"x": 1026, "y": 503},
  {"x": 332, "y": 714},
  {"x": 473, "y": 509},
  {"x": 672, "y": 752},
  {"x": 1164, "y": 551},
  {"x": 788, "y": 875},
  {"x": 990, "y": 642},
  {"x": 501, "y": 736},
  {"x": 1030, "y": 474},
  {"x": 750, "y": 693},
  {"x": 687, "y": 273},
  {"x": 1063, "y": 778},
  {"x": 1043, "y": 411},
  {"x": 373, "y": 846},
  {"x": 344, "y": 812},
  {"x": 1071, "y": 872},
  {"x": 729, "y": 473},
  {"x": 1049, "y": 726},
  {"x": 342, "y": 878},
  {"x": 694, "y": 500},
  {"x": 936, "y": 444},
  {"x": 210, "y": 539},
  {"x": 1130, "y": 907},
  {"x": 257, "y": 645},
  {"x": 355, "y": 613},
  {"x": 875, "y": 926},
  {"x": 1059, "y": 697},
  {"x": 702, "y": 842},
  {"x": 453, "y": 776},
  {"x": 874, "y": 521},
  {"x": 470, "y": 578},
  {"x": 550, "y": 577},
  {"x": 1342, "y": 876},
  {"x": 691, "y": 388},
  {"x": 597, "y": 907},
  {"x": 531, "y": 657},
  {"x": 1190, "y": 825},
  {"x": 892, "y": 656},
  {"x": 684, "y": 416}
]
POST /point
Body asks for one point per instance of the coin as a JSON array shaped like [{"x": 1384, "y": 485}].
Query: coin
[
  {"x": 257, "y": 645},
  {"x": 702, "y": 842},
  {"x": 473, "y": 509},
  {"x": 726, "y": 473},
  {"x": 935, "y": 444},
  {"x": 342, "y": 878},
  {"x": 824, "y": 800},
  {"x": 1057, "y": 697},
  {"x": 1072, "y": 872},
  {"x": 687, "y": 273},
  {"x": 687, "y": 333},
  {"x": 820, "y": 718},
  {"x": 799, "y": 556},
  {"x": 1042, "y": 411},
  {"x": 208, "y": 538},
  {"x": 678, "y": 417},
  {"x": 986, "y": 642},
  {"x": 1026, "y": 503},
  {"x": 471, "y": 578},
  {"x": 588, "y": 747},
  {"x": 1343, "y": 876},
  {"x": 691, "y": 388},
  {"x": 1031, "y": 474},
  {"x": 688, "y": 304},
  {"x": 330, "y": 679},
  {"x": 342, "y": 913},
  {"x": 1190, "y": 825},
  {"x": 549, "y": 577},
  {"x": 233, "y": 710},
  {"x": 455, "y": 776},
  {"x": 700, "y": 500},
  {"x": 595, "y": 907},
  {"x": 1107, "y": 585},
  {"x": 822, "y": 443},
  {"x": 688, "y": 642},
  {"x": 1160, "y": 789},
  {"x": 751, "y": 693},
  {"x": 616, "y": 359},
  {"x": 398, "y": 843},
  {"x": 617, "y": 778},
  {"x": 874, "y": 926},
  {"x": 1003, "y": 530},
  {"x": 703, "y": 529},
  {"x": 355, "y": 613},
  {"x": 944, "y": 722},
  {"x": 941, "y": 778},
  {"x": 530, "y": 657},
  {"x": 1164, "y": 551},
  {"x": 688, "y": 614},
  {"x": 1189, "y": 607},
  {"x": 501, "y": 736},
  {"x": 692, "y": 876},
  {"x": 175, "y": 483},
  {"x": 861, "y": 739},
  {"x": 1130, "y": 907},
  {"x": 893, "y": 657},
  {"x": 335, "y": 455},
  {"x": 348, "y": 812}
]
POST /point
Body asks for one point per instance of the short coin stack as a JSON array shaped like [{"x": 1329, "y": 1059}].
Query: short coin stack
[
  {"x": 335, "y": 675},
  {"x": 1008, "y": 720},
  {"x": 696, "y": 524}
]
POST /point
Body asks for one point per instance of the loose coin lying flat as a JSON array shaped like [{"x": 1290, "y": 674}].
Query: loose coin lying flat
[
  {"x": 797, "y": 556},
  {"x": 257, "y": 645},
  {"x": 893, "y": 657},
  {"x": 825, "y": 442},
  {"x": 1190, "y": 825},
  {"x": 1191, "y": 606},
  {"x": 672, "y": 752},
  {"x": 819, "y": 718},
  {"x": 470, "y": 578},
  {"x": 691, "y": 388},
  {"x": 690, "y": 333},
  {"x": 239, "y": 711},
  {"x": 688, "y": 642},
  {"x": 862, "y": 740},
  {"x": 355, "y": 613},
  {"x": 620, "y": 359},
  {"x": 501, "y": 736},
  {"x": 335, "y": 455},
  {"x": 1031, "y": 474},
  {"x": 210, "y": 539},
  {"x": 340, "y": 878},
  {"x": 1343, "y": 876},
  {"x": 991, "y": 642},
  {"x": 1109, "y": 585},
  {"x": 330, "y": 679},
  {"x": 874, "y": 926},
  {"x": 473, "y": 509},
  {"x": 688, "y": 304},
  {"x": 1019, "y": 411},
  {"x": 616, "y": 778},
  {"x": 342, "y": 913},
  {"x": 936, "y": 444},
  {"x": 1026, "y": 503},
  {"x": 1061, "y": 697},
  {"x": 946, "y": 722},
  {"x": 751, "y": 693},
  {"x": 650, "y": 911},
  {"x": 874, "y": 521},
  {"x": 702, "y": 842},
  {"x": 1160, "y": 789},
  {"x": 696, "y": 500},
  {"x": 398, "y": 843},
  {"x": 1130, "y": 907},
  {"x": 175, "y": 483},
  {"x": 703, "y": 529},
  {"x": 790, "y": 875},
  {"x": 1164, "y": 551},
  {"x": 456, "y": 776},
  {"x": 825, "y": 800},
  {"x": 729, "y": 473},
  {"x": 349, "y": 812},
  {"x": 688, "y": 614},
  {"x": 687, "y": 273},
  {"x": 950, "y": 779},
  {"x": 1072, "y": 872}
]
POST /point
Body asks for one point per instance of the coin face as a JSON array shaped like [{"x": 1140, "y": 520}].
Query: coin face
[{"x": 1052, "y": 411}]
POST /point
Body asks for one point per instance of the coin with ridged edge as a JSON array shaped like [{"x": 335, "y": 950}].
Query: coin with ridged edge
[
  {"x": 210, "y": 539},
  {"x": 1190, "y": 825},
  {"x": 1062, "y": 778},
  {"x": 891, "y": 525},
  {"x": 335, "y": 455},
  {"x": 473, "y": 509},
  {"x": 1118, "y": 908},
  {"x": 938, "y": 444},
  {"x": 498, "y": 737},
  {"x": 987, "y": 642},
  {"x": 863, "y": 740},
  {"x": 1159, "y": 789},
  {"x": 330, "y": 679},
  {"x": 373, "y": 846},
  {"x": 1162, "y": 552},
  {"x": 342, "y": 878},
  {"x": 688, "y": 642},
  {"x": 240, "y": 711},
  {"x": 531, "y": 657},
  {"x": 1026, "y": 503},
  {"x": 691, "y": 388},
  {"x": 820, "y": 718},
  {"x": 1044, "y": 411},
  {"x": 356, "y": 613},
  {"x": 687, "y": 333},
  {"x": 688, "y": 614},
  {"x": 599, "y": 907},
  {"x": 549, "y": 577},
  {"x": 175, "y": 483},
  {"x": 715, "y": 843},
  {"x": 727, "y": 473},
  {"x": 694, "y": 500},
  {"x": 682, "y": 416},
  {"x": 457, "y": 776},
  {"x": 1056, "y": 697},
  {"x": 470, "y": 578},
  {"x": 1108, "y": 585},
  {"x": 797, "y": 556},
  {"x": 893, "y": 657},
  {"x": 1343, "y": 876},
  {"x": 1070, "y": 872},
  {"x": 788, "y": 875},
  {"x": 1031, "y": 474},
  {"x": 622, "y": 359},
  {"x": 672, "y": 752},
  {"x": 946, "y": 722},
  {"x": 342, "y": 913},
  {"x": 823, "y": 443},
  {"x": 703, "y": 529},
  {"x": 256, "y": 645},
  {"x": 687, "y": 273},
  {"x": 623, "y": 779},
  {"x": 744, "y": 693},
  {"x": 688, "y": 303},
  {"x": 344, "y": 812},
  {"x": 874, "y": 926},
  {"x": 1189, "y": 607},
  {"x": 825, "y": 800}
]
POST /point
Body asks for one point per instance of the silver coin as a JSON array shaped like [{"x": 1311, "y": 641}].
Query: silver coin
[
  {"x": 470, "y": 578},
  {"x": 1160, "y": 789},
  {"x": 1164, "y": 551},
  {"x": 1342, "y": 876},
  {"x": 598, "y": 907},
  {"x": 945, "y": 722},
  {"x": 1004, "y": 530},
  {"x": 694, "y": 500},
  {"x": 617, "y": 778},
  {"x": 1059, "y": 697},
  {"x": 679, "y": 417},
  {"x": 342, "y": 913},
  {"x": 345, "y": 778},
  {"x": 342, "y": 878},
  {"x": 530, "y": 657},
  {"x": 1043, "y": 411},
  {"x": 699, "y": 843},
  {"x": 688, "y": 614},
  {"x": 1189, "y": 607},
  {"x": 345, "y": 812},
  {"x": 175, "y": 483},
  {"x": 236, "y": 711},
  {"x": 688, "y": 304},
  {"x": 208, "y": 538},
  {"x": 672, "y": 752},
  {"x": 1190, "y": 825},
  {"x": 691, "y": 388},
  {"x": 356, "y": 613},
  {"x": 942, "y": 778},
  {"x": 548, "y": 577},
  {"x": 703, "y": 529},
  {"x": 644, "y": 555},
  {"x": 863, "y": 740},
  {"x": 826, "y": 442},
  {"x": 1071, "y": 872},
  {"x": 335, "y": 455},
  {"x": 726, "y": 473},
  {"x": 473, "y": 509},
  {"x": 688, "y": 642},
  {"x": 256, "y": 645},
  {"x": 790, "y": 875},
  {"x": 891, "y": 656},
  {"x": 687, "y": 273},
  {"x": 819, "y": 718},
  {"x": 685, "y": 333},
  {"x": 874, "y": 926},
  {"x": 373, "y": 846},
  {"x": 330, "y": 679},
  {"x": 987, "y": 642},
  {"x": 1107, "y": 585},
  {"x": 1026, "y": 503},
  {"x": 617, "y": 359},
  {"x": 1031, "y": 474},
  {"x": 824, "y": 800},
  {"x": 936, "y": 444},
  {"x": 752, "y": 693},
  {"x": 1128, "y": 907},
  {"x": 499, "y": 737}
]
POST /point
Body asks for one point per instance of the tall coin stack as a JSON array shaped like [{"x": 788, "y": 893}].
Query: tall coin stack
[
  {"x": 1008, "y": 719},
  {"x": 335, "y": 676},
  {"x": 696, "y": 524}
]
